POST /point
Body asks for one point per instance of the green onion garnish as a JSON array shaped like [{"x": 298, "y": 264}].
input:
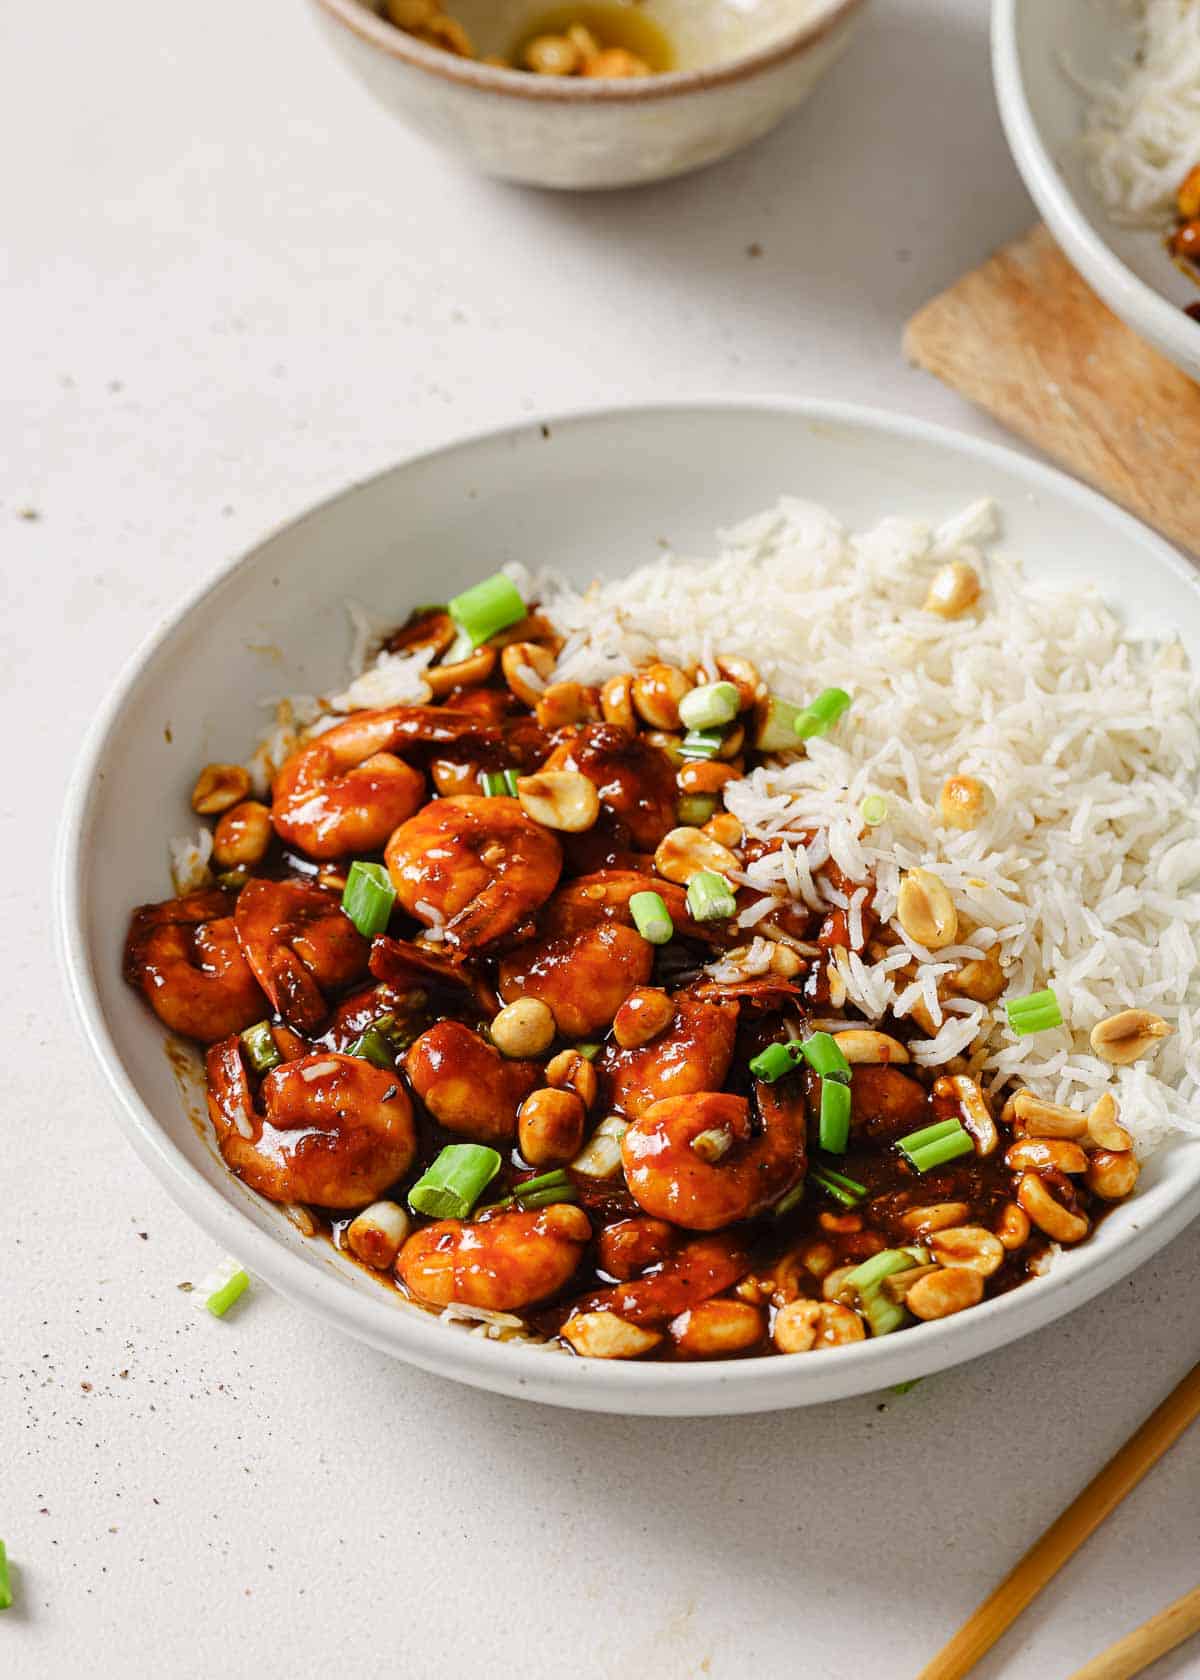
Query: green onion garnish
[
  {"x": 777, "y": 731},
  {"x": 367, "y": 898},
  {"x": 710, "y": 897},
  {"x": 824, "y": 1055},
  {"x": 452, "y": 1184},
  {"x": 373, "y": 1047},
  {"x": 1033, "y": 1013},
  {"x": 873, "y": 810},
  {"x": 882, "y": 1314},
  {"x": 701, "y": 743},
  {"x": 848, "y": 1191},
  {"x": 651, "y": 917},
  {"x": 226, "y": 1284},
  {"x": 903, "y": 1388},
  {"x": 694, "y": 809},
  {"x": 710, "y": 707},
  {"x": 934, "y": 1145},
  {"x": 5, "y": 1583},
  {"x": 541, "y": 1191},
  {"x": 589, "y": 1052},
  {"x": 785, "y": 1204},
  {"x": 773, "y": 1062},
  {"x": 487, "y": 608},
  {"x": 259, "y": 1044},
  {"x": 499, "y": 784},
  {"x": 834, "y": 1124},
  {"x": 820, "y": 717}
]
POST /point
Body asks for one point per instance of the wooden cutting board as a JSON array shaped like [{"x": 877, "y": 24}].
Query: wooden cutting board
[{"x": 1025, "y": 338}]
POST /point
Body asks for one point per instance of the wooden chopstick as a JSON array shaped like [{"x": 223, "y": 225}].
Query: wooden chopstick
[
  {"x": 1147, "y": 1643},
  {"x": 1065, "y": 1536}
]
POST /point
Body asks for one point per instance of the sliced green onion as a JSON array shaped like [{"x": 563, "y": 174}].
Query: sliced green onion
[
  {"x": 233, "y": 880},
  {"x": 881, "y": 1313},
  {"x": 487, "y": 608},
  {"x": 701, "y": 743},
  {"x": 261, "y": 1050},
  {"x": 820, "y": 717},
  {"x": 710, "y": 897},
  {"x": 776, "y": 731},
  {"x": 848, "y": 1191},
  {"x": 452, "y": 1184},
  {"x": 834, "y": 1123},
  {"x": 694, "y": 809},
  {"x": 651, "y": 917},
  {"x": 933, "y": 1146},
  {"x": 785, "y": 1204},
  {"x": 873, "y": 810},
  {"x": 710, "y": 707},
  {"x": 1034, "y": 1013},
  {"x": 548, "y": 1198},
  {"x": 462, "y": 647},
  {"x": 373, "y": 1047},
  {"x": 493, "y": 784},
  {"x": 904, "y": 1387},
  {"x": 545, "y": 1184},
  {"x": 824, "y": 1055},
  {"x": 773, "y": 1062},
  {"x": 589, "y": 1052},
  {"x": 367, "y": 898},
  {"x": 5, "y": 1584},
  {"x": 226, "y": 1284}
]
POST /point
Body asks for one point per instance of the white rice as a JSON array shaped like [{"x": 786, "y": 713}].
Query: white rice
[
  {"x": 1086, "y": 869},
  {"x": 1141, "y": 132}
]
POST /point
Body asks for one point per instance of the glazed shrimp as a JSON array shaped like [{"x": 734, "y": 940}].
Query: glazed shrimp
[
  {"x": 401, "y": 964},
  {"x": 503, "y": 1263},
  {"x": 692, "y": 1055},
  {"x": 885, "y": 1103},
  {"x": 733, "y": 1174},
  {"x": 469, "y": 1087},
  {"x": 328, "y": 1129},
  {"x": 185, "y": 957},
  {"x": 635, "y": 780},
  {"x": 348, "y": 789},
  {"x": 297, "y": 940},
  {"x": 474, "y": 867},
  {"x": 700, "y": 1269}
]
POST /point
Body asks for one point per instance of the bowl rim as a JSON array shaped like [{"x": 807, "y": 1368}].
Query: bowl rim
[
  {"x": 377, "y": 32},
  {"x": 712, "y": 1387},
  {"x": 1151, "y": 315}
]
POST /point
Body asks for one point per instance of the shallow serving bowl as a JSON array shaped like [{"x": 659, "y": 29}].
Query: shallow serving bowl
[
  {"x": 1042, "y": 109},
  {"x": 741, "y": 66},
  {"x": 273, "y": 623}
]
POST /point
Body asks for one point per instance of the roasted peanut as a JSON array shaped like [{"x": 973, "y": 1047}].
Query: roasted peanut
[
  {"x": 645, "y": 1013},
  {"x": 734, "y": 741},
  {"x": 715, "y": 1329},
  {"x": 242, "y": 836},
  {"x": 1044, "y": 1154},
  {"x": 569, "y": 1071},
  {"x": 523, "y": 1028},
  {"x": 1187, "y": 195},
  {"x": 973, "y": 1110},
  {"x": 954, "y": 590},
  {"x": 685, "y": 851},
  {"x": 565, "y": 703},
  {"x": 604, "y": 1335},
  {"x": 940, "y": 1216},
  {"x": 616, "y": 702},
  {"x": 550, "y": 1124},
  {"x": 476, "y": 668},
  {"x": 219, "y": 787},
  {"x": 527, "y": 669},
  {"x": 616, "y": 63},
  {"x": 981, "y": 979},
  {"x": 560, "y": 799},
  {"x": 1049, "y": 1215},
  {"x": 950, "y": 1290},
  {"x": 1103, "y": 1128},
  {"x": 926, "y": 911},
  {"x": 1012, "y": 1227},
  {"x": 1040, "y": 1119},
  {"x": 862, "y": 1046},
  {"x": 833, "y": 1282},
  {"x": 744, "y": 677},
  {"x": 724, "y": 828},
  {"x": 1122, "y": 1038},
  {"x": 1112, "y": 1173},
  {"x": 552, "y": 55},
  {"x": 704, "y": 775},
  {"x": 840, "y": 1224},
  {"x": 802, "y": 1325},
  {"x": 657, "y": 691},
  {"x": 962, "y": 802},
  {"x": 817, "y": 1258},
  {"x": 968, "y": 1246}
]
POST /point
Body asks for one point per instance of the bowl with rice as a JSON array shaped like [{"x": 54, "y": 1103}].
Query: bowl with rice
[
  {"x": 1100, "y": 101},
  {"x": 825, "y": 544}
]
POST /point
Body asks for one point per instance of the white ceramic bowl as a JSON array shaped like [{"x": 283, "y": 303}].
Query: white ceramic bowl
[
  {"x": 743, "y": 65},
  {"x": 1042, "y": 111},
  {"x": 629, "y": 480}
]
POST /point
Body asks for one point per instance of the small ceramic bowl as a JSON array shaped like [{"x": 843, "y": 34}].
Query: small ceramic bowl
[
  {"x": 1042, "y": 107},
  {"x": 741, "y": 66}
]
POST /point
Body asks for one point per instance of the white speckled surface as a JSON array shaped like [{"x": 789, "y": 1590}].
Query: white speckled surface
[{"x": 231, "y": 288}]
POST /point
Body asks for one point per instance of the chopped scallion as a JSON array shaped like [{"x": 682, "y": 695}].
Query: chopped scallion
[
  {"x": 1034, "y": 1013},
  {"x": 785, "y": 1204},
  {"x": 373, "y": 1047},
  {"x": 367, "y": 898},
  {"x": 933, "y": 1146},
  {"x": 773, "y": 1062},
  {"x": 930, "y": 1134},
  {"x": 694, "y": 809},
  {"x": 710, "y": 897},
  {"x": 6, "y": 1596},
  {"x": 873, "y": 810},
  {"x": 834, "y": 1123},
  {"x": 881, "y": 1313},
  {"x": 776, "y": 730},
  {"x": 452, "y": 1184},
  {"x": 541, "y": 1191},
  {"x": 487, "y": 608},
  {"x": 848, "y": 1191},
  {"x": 701, "y": 743},
  {"x": 709, "y": 707},
  {"x": 820, "y": 717},
  {"x": 651, "y": 917},
  {"x": 261, "y": 1050},
  {"x": 226, "y": 1284},
  {"x": 589, "y": 1052},
  {"x": 824, "y": 1055}
]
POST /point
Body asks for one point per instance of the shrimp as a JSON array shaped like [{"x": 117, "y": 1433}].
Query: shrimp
[
  {"x": 886, "y": 1104},
  {"x": 347, "y": 790},
  {"x": 333, "y": 1130},
  {"x": 635, "y": 780},
  {"x": 298, "y": 942},
  {"x": 402, "y": 964},
  {"x": 628, "y": 1247},
  {"x": 469, "y": 1087},
  {"x": 734, "y": 1174},
  {"x": 473, "y": 866},
  {"x": 504, "y": 1263},
  {"x": 185, "y": 957},
  {"x": 700, "y": 1269},
  {"x": 693, "y": 1054}
]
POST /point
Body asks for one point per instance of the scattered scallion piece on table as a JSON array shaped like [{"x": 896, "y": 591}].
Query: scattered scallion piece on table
[
  {"x": 373, "y": 1047},
  {"x": 823, "y": 1054},
  {"x": 785, "y": 1204},
  {"x": 224, "y": 1285},
  {"x": 776, "y": 730},
  {"x": 709, "y": 707},
  {"x": 651, "y": 917},
  {"x": 933, "y": 1146},
  {"x": 6, "y": 1596},
  {"x": 873, "y": 810},
  {"x": 848, "y": 1191},
  {"x": 903, "y": 1388},
  {"x": 702, "y": 743},
  {"x": 1034, "y": 1013},
  {"x": 367, "y": 898},
  {"x": 452, "y": 1184},
  {"x": 882, "y": 1314},
  {"x": 820, "y": 717},
  {"x": 487, "y": 608},
  {"x": 261, "y": 1050},
  {"x": 710, "y": 897},
  {"x": 834, "y": 1123}
]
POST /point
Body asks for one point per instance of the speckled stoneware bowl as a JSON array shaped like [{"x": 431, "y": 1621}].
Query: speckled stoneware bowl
[{"x": 741, "y": 66}]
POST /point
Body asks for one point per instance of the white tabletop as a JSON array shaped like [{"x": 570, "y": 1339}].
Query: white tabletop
[{"x": 233, "y": 287}]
